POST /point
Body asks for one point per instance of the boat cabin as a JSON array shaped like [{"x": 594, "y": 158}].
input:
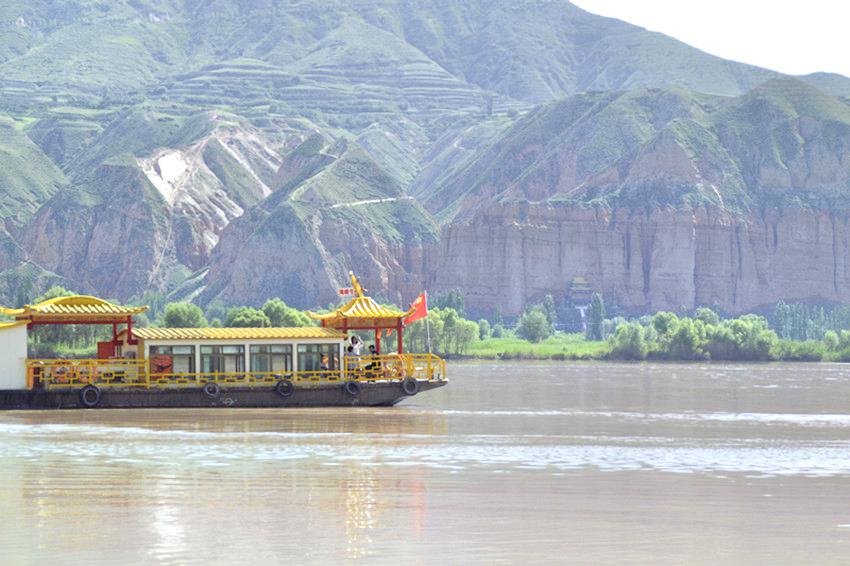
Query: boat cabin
[{"x": 174, "y": 351}]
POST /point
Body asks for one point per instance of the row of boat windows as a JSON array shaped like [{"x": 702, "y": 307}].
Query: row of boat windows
[{"x": 231, "y": 359}]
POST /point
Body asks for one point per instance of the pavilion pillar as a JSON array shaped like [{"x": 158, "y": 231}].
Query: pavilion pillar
[
  {"x": 399, "y": 329},
  {"x": 130, "y": 340},
  {"x": 378, "y": 341}
]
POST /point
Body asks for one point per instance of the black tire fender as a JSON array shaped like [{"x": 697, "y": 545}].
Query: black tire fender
[
  {"x": 352, "y": 388},
  {"x": 90, "y": 396},
  {"x": 212, "y": 389},
  {"x": 410, "y": 386},
  {"x": 284, "y": 388}
]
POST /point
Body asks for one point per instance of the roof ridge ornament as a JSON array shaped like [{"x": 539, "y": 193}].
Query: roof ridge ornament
[{"x": 358, "y": 290}]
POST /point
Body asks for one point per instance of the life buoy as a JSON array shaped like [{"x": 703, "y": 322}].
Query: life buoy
[
  {"x": 90, "y": 396},
  {"x": 410, "y": 386},
  {"x": 212, "y": 389},
  {"x": 353, "y": 388},
  {"x": 284, "y": 388}
]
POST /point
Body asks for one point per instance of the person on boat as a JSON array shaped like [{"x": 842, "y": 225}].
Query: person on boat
[
  {"x": 373, "y": 364},
  {"x": 325, "y": 364},
  {"x": 350, "y": 359},
  {"x": 356, "y": 344}
]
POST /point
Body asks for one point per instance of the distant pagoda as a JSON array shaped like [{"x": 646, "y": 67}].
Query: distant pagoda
[{"x": 580, "y": 293}]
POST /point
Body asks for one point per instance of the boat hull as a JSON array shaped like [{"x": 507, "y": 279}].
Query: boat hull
[{"x": 331, "y": 395}]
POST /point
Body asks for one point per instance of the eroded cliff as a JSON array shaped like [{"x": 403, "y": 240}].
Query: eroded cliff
[{"x": 646, "y": 261}]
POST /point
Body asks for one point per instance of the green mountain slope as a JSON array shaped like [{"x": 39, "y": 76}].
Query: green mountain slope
[
  {"x": 784, "y": 139},
  {"x": 27, "y": 176}
]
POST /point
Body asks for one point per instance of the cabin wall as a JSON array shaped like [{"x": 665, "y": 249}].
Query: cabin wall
[
  {"x": 13, "y": 357},
  {"x": 145, "y": 346}
]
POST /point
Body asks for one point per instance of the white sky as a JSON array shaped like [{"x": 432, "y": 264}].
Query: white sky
[{"x": 790, "y": 36}]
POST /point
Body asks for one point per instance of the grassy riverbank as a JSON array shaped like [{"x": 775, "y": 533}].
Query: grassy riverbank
[
  {"x": 576, "y": 347},
  {"x": 558, "y": 347}
]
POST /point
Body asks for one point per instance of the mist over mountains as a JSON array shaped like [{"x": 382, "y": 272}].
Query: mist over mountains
[{"x": 237, "y": 150}]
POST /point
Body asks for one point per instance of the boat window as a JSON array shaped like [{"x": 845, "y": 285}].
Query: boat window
[
  {"x": 318, "y": 357},
  {"x": 271, "y": 357},
  {"x": 222, "y": 359},
  {"x": 172, "y": 359}
]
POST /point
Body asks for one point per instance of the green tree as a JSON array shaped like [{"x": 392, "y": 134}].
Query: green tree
[
  {"x": 183, "y": 315},
  {"x": 830, "y": 340},
  {"x": 550, "y": 311},
  {"x": 53, "y": 293},
  {"x": 685, "y": 341},
  {"x": 629, "y": 342},
  {"x": 450, "y": 322},
  {"x": 467, "y": 332},
  {"x": 707, "y": 316},
  {"x": 596, "y": 316},
  {"x": 664, "y": 323},
  {"x": 483, "y": 329},
  {"x": 451, "y": 299},
  {"x": 533, "y": 325},
  {"x": 282, "y": 315},
  {"x": 216, "y": 309},
  {"x": 246, "y": 317},
  {"x": 745, "y": 338}
]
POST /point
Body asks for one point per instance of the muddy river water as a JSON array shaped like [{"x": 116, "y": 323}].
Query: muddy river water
[{"x": 546, "y": 463}]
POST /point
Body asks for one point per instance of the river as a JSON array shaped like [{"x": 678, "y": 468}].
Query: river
[{"x": 510, "y": 463}]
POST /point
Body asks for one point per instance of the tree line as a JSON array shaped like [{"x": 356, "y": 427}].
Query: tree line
[{"x": 791, "y": 332}]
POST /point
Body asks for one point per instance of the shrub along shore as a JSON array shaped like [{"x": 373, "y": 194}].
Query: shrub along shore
[{"x": 664, "y": 336}]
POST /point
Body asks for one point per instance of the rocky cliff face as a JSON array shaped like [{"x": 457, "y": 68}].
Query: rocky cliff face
[
  {"x": 335, "y": 208},
  {"x": 646, "y": 261}
]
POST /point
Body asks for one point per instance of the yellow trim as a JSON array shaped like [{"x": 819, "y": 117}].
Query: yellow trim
[
  {"x": 237, "y": 333},
  {"x": 5, "y": 325}
]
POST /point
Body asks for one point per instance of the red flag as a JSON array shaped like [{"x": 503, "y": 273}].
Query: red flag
[{"x": 420, "y": 306}]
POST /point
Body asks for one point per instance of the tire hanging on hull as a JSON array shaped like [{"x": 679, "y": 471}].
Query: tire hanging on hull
[
  {"x": 90, "y": 396},
  {"x": 352, "y": 388}
]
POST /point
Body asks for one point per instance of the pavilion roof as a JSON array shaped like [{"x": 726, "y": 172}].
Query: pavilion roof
[
  {"x": 79, "y": 308},
  {"x": 361, "y": 311}
]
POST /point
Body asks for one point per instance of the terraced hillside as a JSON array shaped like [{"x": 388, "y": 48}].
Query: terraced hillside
[{"x": 228, "y": 151}]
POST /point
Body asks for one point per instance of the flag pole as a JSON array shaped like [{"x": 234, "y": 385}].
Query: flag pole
[{"x": 427, "y": 325}]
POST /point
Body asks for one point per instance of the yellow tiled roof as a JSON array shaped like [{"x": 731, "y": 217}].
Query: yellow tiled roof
[
  {"x": 360, "y": 306},
  {"x": 77, "y": 306},
  {"x": 237, "y": 333}
]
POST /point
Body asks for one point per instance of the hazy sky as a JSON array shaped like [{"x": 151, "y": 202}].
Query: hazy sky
[{"x": 790, "y": 36}]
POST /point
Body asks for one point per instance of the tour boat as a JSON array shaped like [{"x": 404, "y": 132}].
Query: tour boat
[{"x": 214, "y": 367}]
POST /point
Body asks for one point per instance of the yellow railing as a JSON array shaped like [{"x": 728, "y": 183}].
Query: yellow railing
[
  {"x": 395, "y": 367},
  {"x": 55, "y": 374},
  {"x": 79, "y": 373}
]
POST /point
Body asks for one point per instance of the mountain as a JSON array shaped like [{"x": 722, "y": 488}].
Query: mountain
[
  {"x": 226, "y": 151},
  {"x": 661, "y": 199}
]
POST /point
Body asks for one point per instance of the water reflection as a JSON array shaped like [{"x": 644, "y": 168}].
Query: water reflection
[{"x": 508, "y": 463}]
